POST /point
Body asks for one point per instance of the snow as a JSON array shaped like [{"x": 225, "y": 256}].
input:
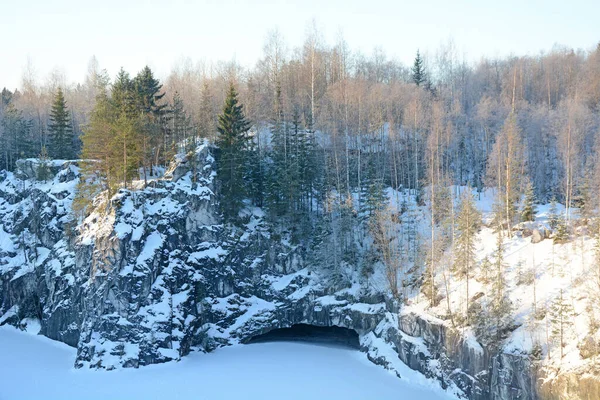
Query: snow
[
  {"x": 568, "y": 266},
  {"x": 6, "y": 243},
  {"x": 214, "y": 253},
  {"x": 34, "y": 367}
]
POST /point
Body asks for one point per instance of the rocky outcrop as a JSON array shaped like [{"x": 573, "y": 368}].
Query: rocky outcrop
[{"x": 154, "y": 274}]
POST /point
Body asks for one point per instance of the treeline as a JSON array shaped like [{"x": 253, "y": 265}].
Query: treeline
[
  {"x": 316, "y": 134},
  {"x": 18, "y": 141}
]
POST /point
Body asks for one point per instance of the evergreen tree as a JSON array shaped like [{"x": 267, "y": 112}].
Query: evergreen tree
[
  {"x": 156, "y": 134},
  {"x": 16, "y": 138},
  {"x": 501, "y": 306},
  {"x": 493, "y": 325},
  {"x": 112, "y": 140},
  {"x": 255, "y": 171},
  {"x": 529, "y": 209},
  {"x": 122, "y": 94},
  {"x": 180, "y": 126},
  {"x": 561, "y": 234},
  {"x": 418, "y": 70},
  {"x": 278, "y": 172},
  {"x": 147, "y": 93},
  {"x": 43, "y": 169},
  {"x": 468, "y": 224},
  {"x": 206, "y": 117},
  {"x": 5, "y": 98},
  {"x": 553, "y": 217},
  {"x": 584, "y": 202},
  {"x": 232, "y": 143},
  {"x": 486, "y": 269},
  {"x": 127, "y": 144},
  {"x": 294, "y": 164},
  {"x": 60, "y": 130},
  {"x": 372, "y": 196},
  {"x": 561, "y": 318},
  {"x": 309, "y": 165}
]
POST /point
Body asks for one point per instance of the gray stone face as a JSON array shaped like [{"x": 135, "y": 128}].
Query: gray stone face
[{"x": 155, "y": 274}]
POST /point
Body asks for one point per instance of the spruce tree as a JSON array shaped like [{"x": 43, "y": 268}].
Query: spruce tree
[
  {"x": 255, "y": 171},
  {"x": 486, "y": 269},
  {"x": 206, "y": 115},
  {"x": 500, "y": 307},
  {"x": 584, "y": 202},
  {"x": 468, "y": 224},
  {"x": 156, "y": 132},
  {"x": 418, "y": 70},
  {"x": 278, "y": 172},
  {"x": 309, "y": 164},
  {"x": 232, "y": 143},
  {"x": 147, "y": 92},
  {"x": 16, "y": 138},
  {"x": 122, "y": 94},
  {"x": 561, "y": 318},
  {"x": 60, "y": 130},
  {"x": 561, "y": 235},
  {"x": 529, "y": 210},
  {"x": 294, "y": 164},
  {"x": 181, "y": 142},
  {"x": 372, "y": 196},
  {"x": 43, "y": 168}
]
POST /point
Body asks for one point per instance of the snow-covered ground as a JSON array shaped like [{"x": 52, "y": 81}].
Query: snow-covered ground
[{"x": 34, "y": 367}]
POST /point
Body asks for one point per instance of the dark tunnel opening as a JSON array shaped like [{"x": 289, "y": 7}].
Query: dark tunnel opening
[{"x": 325, "y": 335}]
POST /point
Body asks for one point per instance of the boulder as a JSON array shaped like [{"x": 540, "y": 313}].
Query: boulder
[{"x": 537, "y": 235}]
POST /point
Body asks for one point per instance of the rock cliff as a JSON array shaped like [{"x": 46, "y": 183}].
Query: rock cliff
[{"x": 153, "y": 274}]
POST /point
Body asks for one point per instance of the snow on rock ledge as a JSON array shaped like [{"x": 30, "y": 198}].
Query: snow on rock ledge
[{"x": 155, "y": 274}]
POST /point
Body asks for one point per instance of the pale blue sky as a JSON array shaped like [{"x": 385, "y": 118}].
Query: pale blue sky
[{"x": 131, "y": 33}]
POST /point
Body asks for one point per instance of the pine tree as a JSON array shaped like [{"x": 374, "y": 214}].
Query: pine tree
[
  {"x": 561, "y": 315},
  {"x": 468, "y": 224},
  {"x": 529, "y": 210},
  {"x": 60, "y": 130},
  {"x": 418, "y": 70},
  {"x": 232, "y": 143}
]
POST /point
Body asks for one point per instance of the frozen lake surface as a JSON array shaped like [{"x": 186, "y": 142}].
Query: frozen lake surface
[{"x": 34, "y": 367}]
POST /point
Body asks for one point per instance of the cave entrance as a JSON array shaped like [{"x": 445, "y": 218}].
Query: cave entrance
[{"x": 325, "y": 335}]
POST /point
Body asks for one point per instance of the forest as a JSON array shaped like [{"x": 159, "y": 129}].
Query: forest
[{"x": 317, "y": 136}]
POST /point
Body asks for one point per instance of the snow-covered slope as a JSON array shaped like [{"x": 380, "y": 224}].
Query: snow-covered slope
[{"x": 153, "y": 275}]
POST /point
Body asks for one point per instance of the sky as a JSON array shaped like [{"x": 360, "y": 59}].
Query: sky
[{"x": 63, "y": 35}]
